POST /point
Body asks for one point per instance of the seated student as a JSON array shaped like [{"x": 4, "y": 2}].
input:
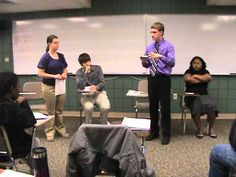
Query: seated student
[
  {"x": 197, "y": 79},
  {"x": 92, "y": 76},
  {"x": 223, "y": 156},
  {"x": 15, "y": 115}
]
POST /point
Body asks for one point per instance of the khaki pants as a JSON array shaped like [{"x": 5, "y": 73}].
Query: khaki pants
[
  {"x": 54, "y": 105},
  {"x": 101, "y": 100}
]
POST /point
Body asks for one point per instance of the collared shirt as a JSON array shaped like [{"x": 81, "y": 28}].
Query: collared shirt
[
  {"x": 94, "y": 77},
  {"x": 165, "y": 63}
]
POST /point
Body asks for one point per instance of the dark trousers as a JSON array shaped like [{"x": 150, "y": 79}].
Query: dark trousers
[{"x": 159, "y": 91}]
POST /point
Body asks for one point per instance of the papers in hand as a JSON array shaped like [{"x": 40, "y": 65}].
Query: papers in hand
[
  {"x": 39, "y": 116},
  {"x": 135, "y": 93},
  {"x": 87, "y": 91},
  {"x": 60, "y": 87},
  {"x": 136, "y": 123}
]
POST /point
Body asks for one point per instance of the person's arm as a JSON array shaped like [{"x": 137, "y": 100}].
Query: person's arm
[
  {"x": 81, "y": 79},
  {"x": 203, "y": 78},
  {"x": 101, "y": 83},
  {"x": 232, "y": 135},
  {"x": 169, "y": 59},
  {"x": 64, "y": 74},
  {"x": 190, "y": 79},
  {"x": 23, "y": 115},
  {"x": 146, "y": 63},
  {"x": 43, "y": 74}
]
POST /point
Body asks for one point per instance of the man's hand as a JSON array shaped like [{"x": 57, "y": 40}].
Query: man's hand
[
  {"x": 87, "y": 69},
  {"x": 64, "y": 76},
  {"x": 154, "y": 55},
  {"x": 93, "y": 88},
  {"x": 58, "y": 76}
]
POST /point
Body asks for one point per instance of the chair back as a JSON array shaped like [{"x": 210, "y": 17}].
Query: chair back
[
  {"x": 34, "y": 87},
  {"x": 143, "y": 86}
]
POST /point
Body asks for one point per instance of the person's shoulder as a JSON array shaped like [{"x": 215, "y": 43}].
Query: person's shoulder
[
  {"x": 167, "y": 42},
  {"x": 46, "y": 55},
  {"x": 97, "y": 66},
  {"x": 151, "y": 44},
  {"x": 78, "y": 71},
  {"x": 188, "y": 71}
]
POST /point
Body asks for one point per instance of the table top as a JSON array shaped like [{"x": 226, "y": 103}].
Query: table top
[
  {"x": 188, "y": 94},
  {"x": 43, "y": 121},
  {"x": 135, "y": 93}
]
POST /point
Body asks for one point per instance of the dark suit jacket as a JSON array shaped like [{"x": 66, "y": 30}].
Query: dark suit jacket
[{"x": 232, "y": 135}]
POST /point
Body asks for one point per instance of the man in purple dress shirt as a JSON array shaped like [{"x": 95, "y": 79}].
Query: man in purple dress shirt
[{"x": 161, "y": 59}]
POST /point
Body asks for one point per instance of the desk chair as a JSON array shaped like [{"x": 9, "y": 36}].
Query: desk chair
[
  {"x": 108, "y": 147},
  {"x": 184, "y": 110},
  {"x": 141, "y": 102},
  {"x": 34, "y": 87},
  {"x": 7, "y": 160}
]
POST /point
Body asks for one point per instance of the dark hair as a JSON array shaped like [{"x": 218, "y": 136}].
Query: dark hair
[
  {"x": 7, "y": 81},
  {"x": 83, "y": 58},
  {"x": 199, "y": 58},
  {"x": 159, "y": 26},
  {"x": 49, "y": 40}
]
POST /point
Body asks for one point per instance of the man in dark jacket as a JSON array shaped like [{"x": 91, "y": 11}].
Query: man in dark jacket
[
  {"x": 15, "y": 115},
  {"x": 223, "y": 156}
]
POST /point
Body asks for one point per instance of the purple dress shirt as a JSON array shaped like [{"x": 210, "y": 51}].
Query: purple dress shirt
[{"x": 165, "y": 63}]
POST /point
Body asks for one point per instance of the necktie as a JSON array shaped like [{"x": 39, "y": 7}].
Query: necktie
[{"x": 153, "y": 68}]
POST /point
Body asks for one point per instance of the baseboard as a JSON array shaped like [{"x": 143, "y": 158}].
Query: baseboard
[{"x": 143, "y": 115}]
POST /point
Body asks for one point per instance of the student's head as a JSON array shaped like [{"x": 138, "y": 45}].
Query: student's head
[
  {"x": 52, "y": 43},
  {"x": 157, "y": 31},
  {"x": 9, "y": 85},
  {"x": 197, "y": 63},
  {"x": 84, "y": 58}
]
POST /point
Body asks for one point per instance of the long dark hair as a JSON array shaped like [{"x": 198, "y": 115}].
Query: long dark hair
[
  {"x": 199, "y": 58},
  {"x": 49, "y": 40},
  {"x": 8, "y": 80}
]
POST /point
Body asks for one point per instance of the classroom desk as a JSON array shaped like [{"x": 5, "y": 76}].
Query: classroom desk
[
  {"x": 135, "y": 93},
  {"x": 43, "y": 121},
  {"x": 11, "y": 173}
]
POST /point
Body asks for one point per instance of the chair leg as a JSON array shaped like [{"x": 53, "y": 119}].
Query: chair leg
[
  {"x": 136, "y": 112},
  {"x": 184, "y": 119}
]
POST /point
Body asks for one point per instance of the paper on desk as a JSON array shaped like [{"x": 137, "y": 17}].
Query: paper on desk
[
  {"x": 60, "y": 87},
  {"x": 136, "y": 123},
  {"x": 39, "y": 115},
  {"x": 136, "y": 93},
  {"x": 11, "y": 173}
]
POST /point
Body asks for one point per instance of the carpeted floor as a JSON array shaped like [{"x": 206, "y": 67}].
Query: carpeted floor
[{"x": 185, "y": 156}]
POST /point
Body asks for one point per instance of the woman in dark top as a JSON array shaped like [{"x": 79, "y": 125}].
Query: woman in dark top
[
  {"x": 52, "y": 66},
  {"x": 223, "y": 156},
  {"x": 15, "y": 115},
  {"x": 197, "y": 79}
]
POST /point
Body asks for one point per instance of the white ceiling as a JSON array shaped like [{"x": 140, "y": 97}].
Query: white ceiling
[
  {"x": 221, "y": 2},
  {"x": 14, "y": 6}
]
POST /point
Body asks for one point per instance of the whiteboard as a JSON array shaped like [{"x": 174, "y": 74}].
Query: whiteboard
[{"x": 117, "y": 42}]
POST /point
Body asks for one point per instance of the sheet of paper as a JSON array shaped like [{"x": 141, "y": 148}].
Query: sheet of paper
[
  {"x": 135, "y": 93},
  {"x": 39, "y": 115},
  {"x": 136, "y": 123},
  {"x": 60, "y": 87},
  {"x": 11, "y": 173}
]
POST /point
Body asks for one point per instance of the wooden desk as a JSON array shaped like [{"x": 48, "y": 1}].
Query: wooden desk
[{"x": 11, "y": 173}]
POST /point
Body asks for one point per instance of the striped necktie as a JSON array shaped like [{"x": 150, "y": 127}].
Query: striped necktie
[{"x": 153, "y": 68}]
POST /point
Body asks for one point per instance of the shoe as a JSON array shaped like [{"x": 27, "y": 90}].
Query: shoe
[
  {"x": 50, "y": 135},
  {"x": 165, "y": 140},
  {"x": 199, "y": 135},
  {"x": 152, "y": 136},
  {"x": 212, "y": 135},
  {"x": 62, "y": 131}
]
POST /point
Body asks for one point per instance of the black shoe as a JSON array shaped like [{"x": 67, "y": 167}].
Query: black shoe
[
  {"x": 165, "y": 140},
  {"x": 152, "y": 136}
]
